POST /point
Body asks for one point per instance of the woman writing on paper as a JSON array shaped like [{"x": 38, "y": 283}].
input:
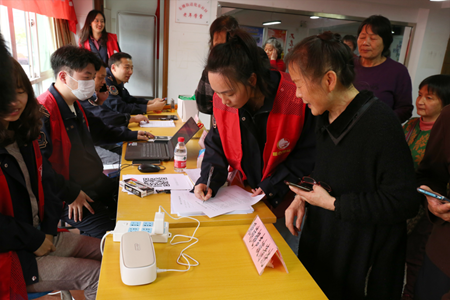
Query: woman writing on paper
[
  {"x": 95, "y": 38},
  {"x": 354, "y": 236},
  {"x": 261, "y": 129}
]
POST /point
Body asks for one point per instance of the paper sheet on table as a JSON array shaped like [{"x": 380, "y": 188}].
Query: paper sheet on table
[
  {"x": 227, "y": 199},
  {"x": 157, "y": 124},
  {"x": 194, "y": 174},
  {"x": 163, "y": 181}
]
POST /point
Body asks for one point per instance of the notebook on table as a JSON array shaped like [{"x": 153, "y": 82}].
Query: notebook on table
[{"x": 160, "y": 148}]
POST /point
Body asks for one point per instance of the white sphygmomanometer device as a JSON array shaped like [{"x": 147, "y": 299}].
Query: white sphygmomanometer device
[
  {"x": 137, "y": 258},
  {"x": 137, "y": 253}
]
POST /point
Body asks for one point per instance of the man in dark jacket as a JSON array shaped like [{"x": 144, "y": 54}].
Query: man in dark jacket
[
  {"x": 67, "y": 140},
  {"x": 119, "y": 99}
]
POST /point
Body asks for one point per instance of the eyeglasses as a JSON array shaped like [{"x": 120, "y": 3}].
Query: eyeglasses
[{"x": 311, "y": 181}]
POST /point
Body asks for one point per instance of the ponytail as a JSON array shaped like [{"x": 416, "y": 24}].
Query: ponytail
[{"x": 238, "y": 59}]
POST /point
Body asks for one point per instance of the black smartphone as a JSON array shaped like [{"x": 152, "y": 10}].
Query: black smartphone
[
  {"x": 431, "y": 194},
  {"x": 303, "y": 187},
  {"x": 103, "y": 88}
]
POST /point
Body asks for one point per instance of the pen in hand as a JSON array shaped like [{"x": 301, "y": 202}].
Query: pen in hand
[{"x": 209, "y": 180}]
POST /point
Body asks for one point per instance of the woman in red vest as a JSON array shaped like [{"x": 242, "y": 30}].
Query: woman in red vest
[
  {"x": 34, "y": 257},
  {"x": 261, "y": 129},
  {"x": 95, "y": 38}
]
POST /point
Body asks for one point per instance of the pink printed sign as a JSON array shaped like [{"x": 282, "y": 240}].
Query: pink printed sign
[
  {"x": 262, "y": 248},
  {"x": 193, "y": 11}
]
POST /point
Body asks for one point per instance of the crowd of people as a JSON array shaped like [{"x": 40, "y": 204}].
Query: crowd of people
[{"x": 332, "y": 124}]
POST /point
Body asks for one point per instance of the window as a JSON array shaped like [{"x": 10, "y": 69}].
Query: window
[{"x": 29, "y": 38}]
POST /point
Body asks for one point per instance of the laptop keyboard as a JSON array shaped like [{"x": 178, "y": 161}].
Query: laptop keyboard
[{"x": 154, "y": 150}]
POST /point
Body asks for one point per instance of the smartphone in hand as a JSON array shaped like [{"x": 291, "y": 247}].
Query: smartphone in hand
[
  {"x": 431, "y": 194},
  {"x": 307, "y": 188}
]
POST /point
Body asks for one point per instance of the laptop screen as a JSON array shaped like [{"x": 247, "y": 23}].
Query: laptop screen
[{"x": 188, "y": 130}]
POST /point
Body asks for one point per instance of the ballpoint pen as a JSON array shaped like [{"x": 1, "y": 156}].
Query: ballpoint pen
[{"x": 209, "y": 178}]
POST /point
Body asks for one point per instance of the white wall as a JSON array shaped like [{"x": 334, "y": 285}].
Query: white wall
[
  {"x": 188, "y": 44},
  {"x": 82, "y": 8},
  {"x": 432, "y": 47}
]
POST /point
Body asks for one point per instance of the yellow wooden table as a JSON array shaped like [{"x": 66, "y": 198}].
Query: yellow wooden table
[
  {"x": 131, "y": 207},
  {"x": 226, "y": 270}
]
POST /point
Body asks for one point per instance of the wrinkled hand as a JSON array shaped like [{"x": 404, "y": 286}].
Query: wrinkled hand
[
  {"x": 296, "y": 209},
  {"x": 46, "y": 246},
  {"x": 438, "y": 208},
  {"x": 101, "y": 97},
  {"x": 256, "y": 192},
  {"x": 144, "y": 135},
  {"x": 274, "y": 54},
  {"x": 138, "y": 119},
  {"x": 199, "y": 192},
  {"x": 76, "y": 207},
  {"x": 317, "y": 197}
]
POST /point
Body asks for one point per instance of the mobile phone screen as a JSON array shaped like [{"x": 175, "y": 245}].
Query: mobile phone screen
[
  {"x": 301, "y": 186},
  {"x": 431, "y": 194}
]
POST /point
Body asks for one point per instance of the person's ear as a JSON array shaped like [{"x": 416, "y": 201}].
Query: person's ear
[
  {"x": 330, "y": 80},
  {"x": 252, "y": 80},
  {"x": 113, "y": 68},
  {"x": 62, "y": 76}
]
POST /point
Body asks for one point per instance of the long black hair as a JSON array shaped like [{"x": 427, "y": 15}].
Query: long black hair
[
  {"x": 238, "y": 59},
  {"x": 7, "y": 91},
  {"x": 86, "y": 32},
  {"x": 27, "y": 127},
  {"x": 223, "y": 23}
]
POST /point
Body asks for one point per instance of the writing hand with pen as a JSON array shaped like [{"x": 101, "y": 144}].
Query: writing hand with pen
[{"x": 203, "y": 191}]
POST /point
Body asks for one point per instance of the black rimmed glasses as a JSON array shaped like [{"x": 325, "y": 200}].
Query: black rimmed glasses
[{"x": 311, "y": 181}]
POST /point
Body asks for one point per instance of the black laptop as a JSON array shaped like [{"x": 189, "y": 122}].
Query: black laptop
[{"x": 161, "y": 148}]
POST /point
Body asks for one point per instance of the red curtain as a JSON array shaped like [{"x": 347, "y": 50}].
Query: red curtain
[{"x": 60, "y": 9}]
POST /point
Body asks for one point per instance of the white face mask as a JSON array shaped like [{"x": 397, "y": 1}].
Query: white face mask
[{"x": 85, "y": 90}]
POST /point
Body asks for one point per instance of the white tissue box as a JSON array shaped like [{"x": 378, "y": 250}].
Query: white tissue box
[{"x": 187, "y": 109}]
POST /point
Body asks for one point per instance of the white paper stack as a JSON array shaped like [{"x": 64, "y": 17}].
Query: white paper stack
[{"x": 228, "y": 200}]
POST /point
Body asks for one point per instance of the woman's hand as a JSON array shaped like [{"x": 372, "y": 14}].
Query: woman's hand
[
  {"x": 436, "y": 207},
  {"x": 296, "y": 209},
  {"x": 256, "y": 192},
  {"x": 46, "y": 246},
  {"x": 317, "y": 197},
  {"x": 199, "y": 192},
  {"x": 274, "y": 54}
]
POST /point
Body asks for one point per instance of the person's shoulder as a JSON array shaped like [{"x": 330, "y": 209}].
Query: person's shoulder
[
  {"x": 395, "y": 64},
  {"x": 45, "y": 113}
]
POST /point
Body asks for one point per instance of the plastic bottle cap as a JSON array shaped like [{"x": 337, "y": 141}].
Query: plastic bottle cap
[{"x": 181, "y": 139}]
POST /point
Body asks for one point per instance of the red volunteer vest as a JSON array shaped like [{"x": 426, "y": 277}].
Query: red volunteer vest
[
  {"x": 111, "y": 44},
  {"x": 60, "y": 140},
  {"x": 12, "y": 284},
  {"x": 284, "y": 127}
]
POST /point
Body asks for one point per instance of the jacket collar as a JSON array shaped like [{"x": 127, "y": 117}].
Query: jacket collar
[
  {"x": 66, "y": 113},
  {"x": 348, "y": 118}
]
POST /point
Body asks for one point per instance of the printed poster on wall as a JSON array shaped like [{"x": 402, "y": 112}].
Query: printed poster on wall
[
  {"x": 193, "y": 11},
  {"x": 257, "y": 33},
  {"x": 279, "y": 34}
]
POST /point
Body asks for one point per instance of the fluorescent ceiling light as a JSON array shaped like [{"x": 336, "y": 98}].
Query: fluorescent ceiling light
[
  {"x": 314, "y": 17},
  {"x": 272, "y": 22}
]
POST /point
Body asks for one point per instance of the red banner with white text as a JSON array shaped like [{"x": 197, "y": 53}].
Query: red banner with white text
[{"x": 60, "y": 9}]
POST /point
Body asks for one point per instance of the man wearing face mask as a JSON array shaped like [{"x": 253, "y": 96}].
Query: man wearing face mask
[{"x": 67, "y": 140}]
